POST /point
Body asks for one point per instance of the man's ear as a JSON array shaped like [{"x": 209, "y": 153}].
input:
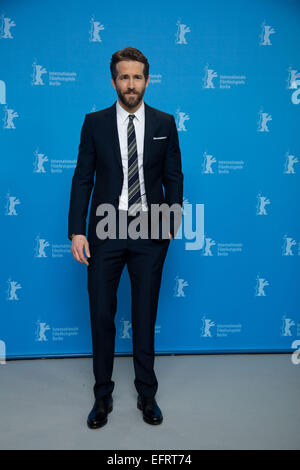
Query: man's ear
[{"x": 113, "y": 82}]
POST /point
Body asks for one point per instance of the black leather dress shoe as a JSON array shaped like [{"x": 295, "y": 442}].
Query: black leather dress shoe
[
  {"x": 151, "y": 411},
  {"x": 98, "y": 416}
]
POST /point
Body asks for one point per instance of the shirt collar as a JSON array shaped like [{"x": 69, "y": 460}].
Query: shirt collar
[{"x": 123, "y": 114}]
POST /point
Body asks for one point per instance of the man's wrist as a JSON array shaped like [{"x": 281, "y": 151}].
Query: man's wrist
[{"x": 74, "y": 234}]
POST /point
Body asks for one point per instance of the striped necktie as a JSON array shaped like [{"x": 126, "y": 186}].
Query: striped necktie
[{"x": 134, "y": 192}]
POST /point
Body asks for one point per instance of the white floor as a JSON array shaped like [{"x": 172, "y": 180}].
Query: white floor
[{"x": 239, "y": 401}]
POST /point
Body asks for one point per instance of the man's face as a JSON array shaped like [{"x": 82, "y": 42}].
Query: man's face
[{"x": 130, "y": 83}]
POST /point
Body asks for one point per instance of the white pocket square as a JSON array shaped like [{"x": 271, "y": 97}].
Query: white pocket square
[{"x": 163, "y": 137}]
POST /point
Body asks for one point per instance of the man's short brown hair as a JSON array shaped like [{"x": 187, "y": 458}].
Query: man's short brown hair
[{"x": 128, "y": 53}]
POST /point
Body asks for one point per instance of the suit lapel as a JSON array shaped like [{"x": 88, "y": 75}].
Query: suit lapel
[
  {"x": 115, "y": 135},
  {"x": 147, "y": 136}
]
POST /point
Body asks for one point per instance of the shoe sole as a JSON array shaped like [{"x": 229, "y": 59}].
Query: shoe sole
[
  {"x": 101, "y": 424},
  {"x": 148, "y": 420}
]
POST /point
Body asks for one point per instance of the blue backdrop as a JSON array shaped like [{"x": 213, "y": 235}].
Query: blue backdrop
[{"x": 229, "y": 72}]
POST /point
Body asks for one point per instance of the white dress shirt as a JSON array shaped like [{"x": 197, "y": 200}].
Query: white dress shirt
[{"x": 139, "y": 126}]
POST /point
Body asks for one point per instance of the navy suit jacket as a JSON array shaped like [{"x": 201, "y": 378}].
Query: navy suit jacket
[{"x": 99, "y": 167}]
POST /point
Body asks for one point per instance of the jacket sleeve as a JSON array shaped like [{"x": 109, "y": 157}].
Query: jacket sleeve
[
  {"x": 82, "y": 181},
  {"x": 172, "y": 174}
]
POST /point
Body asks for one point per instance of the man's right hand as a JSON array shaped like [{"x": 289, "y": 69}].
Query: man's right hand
[{"x": 78, "y": 243}]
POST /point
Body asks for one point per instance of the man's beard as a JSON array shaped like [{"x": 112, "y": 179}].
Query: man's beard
[{"x": 130, "y": 101}]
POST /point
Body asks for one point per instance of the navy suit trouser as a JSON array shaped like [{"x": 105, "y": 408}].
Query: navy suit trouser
[{"x": 144, "y": 259}]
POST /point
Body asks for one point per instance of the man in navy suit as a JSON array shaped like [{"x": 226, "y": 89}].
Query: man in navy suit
[{"x": 133, "y": 150}]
